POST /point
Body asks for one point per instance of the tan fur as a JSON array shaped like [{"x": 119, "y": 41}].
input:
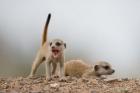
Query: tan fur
[
  {"x": 48, "y": 54},
  {"x": 79, "y": 68},
  {"x": 75, "y": 68}
]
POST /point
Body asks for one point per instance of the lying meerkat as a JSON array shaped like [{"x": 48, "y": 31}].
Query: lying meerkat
[
  {"x": 51, "y": 53},
  {"x": 78, "y": 68}
]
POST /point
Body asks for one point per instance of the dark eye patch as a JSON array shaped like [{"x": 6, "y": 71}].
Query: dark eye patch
[
  {"x": 50, "y": 43},
  {"x": 58, "y": 44},
  {"x": 65, "y": 45},
  {"x": 106, "y": 67},
  {"x": 96, "y": 67}
]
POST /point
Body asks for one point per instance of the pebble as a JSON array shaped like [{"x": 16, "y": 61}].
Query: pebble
[
  {"x": 54, "y": 85},
  {"x": 121, "y": 90},
  {"x": 94, "y": 81},
  {"x": 110, "y": 79},
  {"x": 93, "y": 91}
]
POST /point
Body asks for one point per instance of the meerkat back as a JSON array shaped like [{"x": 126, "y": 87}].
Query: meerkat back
[{"x": 75, "y": 68}]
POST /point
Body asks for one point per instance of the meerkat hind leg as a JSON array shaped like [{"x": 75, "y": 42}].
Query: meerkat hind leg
[
  {"x": 48, "y": 70},
  {"x": 38, "y": 60}
]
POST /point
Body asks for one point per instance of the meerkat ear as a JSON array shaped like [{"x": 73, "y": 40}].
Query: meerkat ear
[
  {"x": 65, "y": 45},
  {"x": 96, "y": 67}
]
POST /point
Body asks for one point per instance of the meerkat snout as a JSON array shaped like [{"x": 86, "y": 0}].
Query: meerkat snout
[{"x": 103, "y": 68}]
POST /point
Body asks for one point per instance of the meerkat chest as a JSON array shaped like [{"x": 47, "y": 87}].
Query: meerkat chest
[{"x": 55, "y": 61}]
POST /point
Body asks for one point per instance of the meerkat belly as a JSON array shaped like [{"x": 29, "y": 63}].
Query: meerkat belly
[{"x": 75, "y": 68}]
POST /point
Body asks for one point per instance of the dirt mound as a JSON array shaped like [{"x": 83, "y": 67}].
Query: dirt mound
[{"x": 72, "y": 85}]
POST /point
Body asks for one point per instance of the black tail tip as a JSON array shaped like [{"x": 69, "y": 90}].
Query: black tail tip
[
  {"x": 49, "y": 15},
  {"x": 48, "y": 19}
]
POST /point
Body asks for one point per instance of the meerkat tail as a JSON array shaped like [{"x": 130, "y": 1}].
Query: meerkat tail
[{"x": 44, "y": 36}]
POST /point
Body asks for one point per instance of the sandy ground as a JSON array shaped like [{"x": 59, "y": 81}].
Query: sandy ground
[{"x": 72, "y": 85}]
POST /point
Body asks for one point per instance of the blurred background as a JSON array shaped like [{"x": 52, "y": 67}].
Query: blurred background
[{"x": 94, "y": 30}]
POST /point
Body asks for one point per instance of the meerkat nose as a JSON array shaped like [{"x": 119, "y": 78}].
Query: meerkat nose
[
  {"x": 53, "y": 47},
  {"x": 113, "y": 71}
]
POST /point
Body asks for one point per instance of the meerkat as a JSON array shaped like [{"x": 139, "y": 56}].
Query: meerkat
[
  {"x": 51, "y": 53},
  {"x": 79, "y": 68}
]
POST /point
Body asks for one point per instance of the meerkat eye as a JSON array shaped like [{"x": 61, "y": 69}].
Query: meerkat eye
[
  {"x": 106, "y": 67},
  {"x": 50, "y": 43},
  {"x": 58, "y": 44},
  {"x": 96, "y": 67},
  {"x": 65, "y": 45}
]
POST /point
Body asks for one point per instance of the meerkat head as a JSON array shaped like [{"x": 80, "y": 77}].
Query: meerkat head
[
  {"x": 103, "y": 68},
  {"x": 57, "y": 47}
]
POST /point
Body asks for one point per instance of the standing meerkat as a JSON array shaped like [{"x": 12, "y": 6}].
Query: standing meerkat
[
  {"x": 79, "y": 68},
  {"x": 51, "y": 53}
]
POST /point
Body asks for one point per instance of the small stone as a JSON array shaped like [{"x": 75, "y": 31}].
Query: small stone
[
  {"x": 55, "y": 85},
  {"x": 122, "y": 90},
  {"x": 110, "y": 79},
  {"x": 37, "y": 81},
  {"x": 36, "y": 88},
  {"x": 12, "y": 91},
  {"x": 35, "y": 92},
  {"x": 5, "y": 85},
  {"x": 138, "y": 83},
  {"x": 94, "y": 81},
  {"x": 120, "y": 80},
  {"x": 125, "y": 79},
  {"x": 84, "y": 80},
  {"x": 93, "y": 91},
  {"x": 105, "y": 86},
  {"x": 46, "y": 88},
  {"x": 69, "y": 78}
]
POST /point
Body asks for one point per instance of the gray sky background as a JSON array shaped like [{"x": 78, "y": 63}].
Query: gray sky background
[{"x": 93, "y": 30}]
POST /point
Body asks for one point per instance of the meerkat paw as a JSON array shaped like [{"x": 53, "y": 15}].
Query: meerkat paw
[
  {"x": 63, "y": 79},
  {"x": 56, "y": 76},
  {"x": 30, "y": 76}
]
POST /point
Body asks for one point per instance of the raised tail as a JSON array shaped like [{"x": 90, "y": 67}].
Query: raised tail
[{"x": 44, "y": 36}]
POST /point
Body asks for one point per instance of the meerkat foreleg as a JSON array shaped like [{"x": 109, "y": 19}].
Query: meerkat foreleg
[
  {"x": 62, "y": 73},
  {"x": 61, "y": 69},
  {"x": 54, "y": 68}
]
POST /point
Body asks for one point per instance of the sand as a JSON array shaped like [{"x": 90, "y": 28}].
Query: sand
[{"x": 38, "y": 84}]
